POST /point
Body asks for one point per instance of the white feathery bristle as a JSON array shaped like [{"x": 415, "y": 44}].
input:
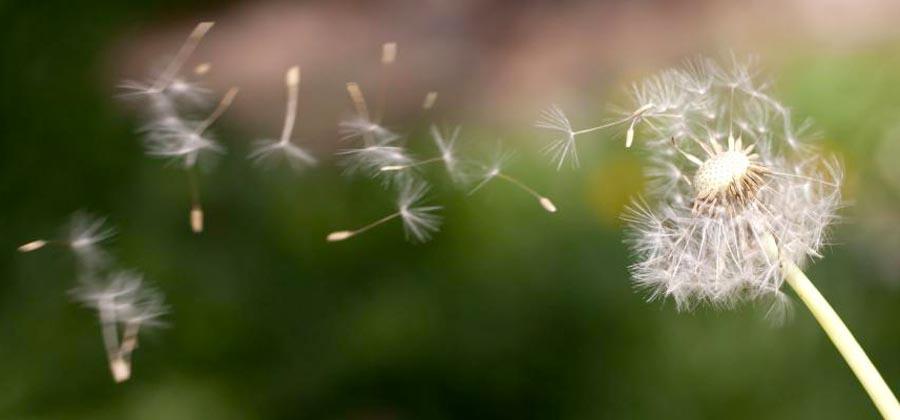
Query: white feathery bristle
[
  {"x": 562, "y": 147},
  {"x": 419, "y": 221},
  {"x": 339, "y": 235},
  {"x": 548, "y": 205},
  {"x": 32, "y": 246}
]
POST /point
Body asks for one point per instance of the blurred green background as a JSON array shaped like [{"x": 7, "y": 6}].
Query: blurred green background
[{"x": 507, "y": 313}]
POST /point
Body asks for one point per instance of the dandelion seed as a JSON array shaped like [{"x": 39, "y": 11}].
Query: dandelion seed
[
  {"x": 125, "y": 306},
  {"x": 565, "y": 148},
  {"x": 446, "y": 145},
  {"x": 362, "y": 126},
  {"x": 265, "y": 149},
  {"x": 167, "y": 82},
  {"x": 84, "y": 235},
  {"x": 495, "y": 171},
  {"x": 185, "y": 141},
  {"x": 419, "y": 221}
]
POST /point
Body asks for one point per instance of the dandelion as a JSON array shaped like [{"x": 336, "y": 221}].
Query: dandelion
[
  {"x": 84, "y": 235},
  {"x": 266, "y": 149},
  {"x": 494, "y": 171},
  {"x": 738, "y": 205},
  {"x": 124, "y": 306},
  {"x": 419, "y": 220}
]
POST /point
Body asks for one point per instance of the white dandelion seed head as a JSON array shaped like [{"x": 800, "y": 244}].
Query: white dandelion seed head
[
  {"x": 123, "y": 298},
  {"x": 419, "y": 220},
  {"x": 271, "y": 151},
  {"x": 722, "y": 187}
]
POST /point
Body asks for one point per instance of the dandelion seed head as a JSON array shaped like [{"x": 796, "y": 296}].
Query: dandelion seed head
[{"x": 727, "y": 175}]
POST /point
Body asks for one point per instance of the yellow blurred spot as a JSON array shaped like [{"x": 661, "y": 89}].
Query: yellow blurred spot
[{"x": 611, "y": 186}]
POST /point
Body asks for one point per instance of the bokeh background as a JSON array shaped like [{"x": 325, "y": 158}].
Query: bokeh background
[{"x": 509, "y": 312}]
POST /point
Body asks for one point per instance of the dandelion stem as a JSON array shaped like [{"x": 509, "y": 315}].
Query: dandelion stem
[{"x": 839, "y": 334}]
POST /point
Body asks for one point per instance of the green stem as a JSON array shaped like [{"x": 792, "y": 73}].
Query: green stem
[{"x": 839, "y": 334}]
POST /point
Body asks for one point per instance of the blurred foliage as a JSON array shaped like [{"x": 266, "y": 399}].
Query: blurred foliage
[{"x": 508, "y": 313}]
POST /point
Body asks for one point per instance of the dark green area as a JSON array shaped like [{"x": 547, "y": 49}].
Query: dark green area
[{"x": 508, "y": 313}]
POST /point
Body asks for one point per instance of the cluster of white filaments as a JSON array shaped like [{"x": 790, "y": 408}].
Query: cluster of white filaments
[
  {"x": 124, "y": 303},
  {"x": 168, "y": 133},
  {"x": 378, "y": 152},
  {"x": 727, "y": 175}
]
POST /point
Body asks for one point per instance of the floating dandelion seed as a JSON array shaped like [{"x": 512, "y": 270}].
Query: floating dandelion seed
[
  {"x": 446, "y": 145},
  {"x": 184, "y": 142},
  {"x": 494, "y": 171},
  {"x": 125, "y": 306},
  {"x": 84, "y": 235},
  {"x": 170, "y": 136},
  {"x": 362, "y": 126},
  {"x": 564, "y": 147},
  {"x": 419, "y": 221},
  {"x": 737, "y": 205},
  {"x": 377, "y": 150},
  {"x": 167, "y": 83},
  {"x": 265, "y": 149}
]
